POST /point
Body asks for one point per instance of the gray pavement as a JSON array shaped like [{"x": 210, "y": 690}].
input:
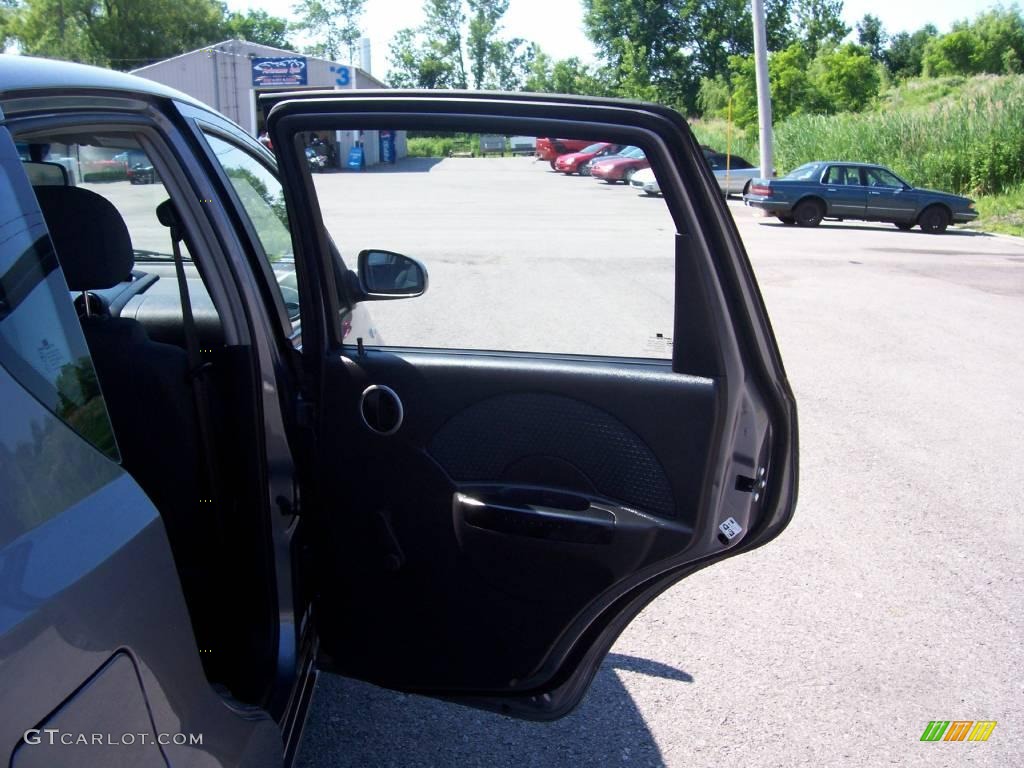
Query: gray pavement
[{"x": 894, "y": 598}]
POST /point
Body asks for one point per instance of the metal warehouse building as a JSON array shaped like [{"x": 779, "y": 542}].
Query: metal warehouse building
[{"x": 229, "y": 76}]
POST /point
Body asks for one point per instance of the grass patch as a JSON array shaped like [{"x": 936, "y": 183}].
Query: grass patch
[{"x": 1001, "y": 213}]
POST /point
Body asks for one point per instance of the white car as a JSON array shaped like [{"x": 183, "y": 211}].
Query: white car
[
  {"x": 644, "y": 180},
  {"x": 735, "y": 180}
]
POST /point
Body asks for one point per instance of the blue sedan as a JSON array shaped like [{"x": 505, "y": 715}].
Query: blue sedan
[{"x": 842, "y": 190}]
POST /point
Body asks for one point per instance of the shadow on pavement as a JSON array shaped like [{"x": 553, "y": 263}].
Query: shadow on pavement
[
  {"x": 765, "y": 222},
  {"x": 357, "y": 724}
]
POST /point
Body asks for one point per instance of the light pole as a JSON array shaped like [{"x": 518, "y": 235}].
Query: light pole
[{"x": 764, "y": 97}]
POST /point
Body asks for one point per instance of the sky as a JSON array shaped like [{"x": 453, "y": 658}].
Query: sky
[{"x": 556, "y": 25}]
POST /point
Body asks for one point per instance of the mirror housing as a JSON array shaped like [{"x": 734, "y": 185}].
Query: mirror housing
[{"x": 387, "y": 275}]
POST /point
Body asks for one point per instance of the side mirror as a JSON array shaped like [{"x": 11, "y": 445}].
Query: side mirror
[{"x": 388, "y": 275}]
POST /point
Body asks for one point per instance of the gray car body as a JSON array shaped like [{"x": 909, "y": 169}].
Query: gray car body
[
  {"x": 890, "y": 204},
  {"x": 95, "y": 635},
  {"x": 91, "y": 605}
]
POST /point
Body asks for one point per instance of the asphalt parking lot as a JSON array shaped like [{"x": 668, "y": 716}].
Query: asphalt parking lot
[{"x": 894, "y": 598}]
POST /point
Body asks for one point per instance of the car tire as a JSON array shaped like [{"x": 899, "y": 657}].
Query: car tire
[
  {"x": 628, "y": 176},
  {"x": 552, "y": 164},
  {"x": 933, "y": 220},
  {"x": 904, "y": 226},
  {"x": 789, "y": 221},
  {"x": 746, "y": 187},
  {"x": 584, "y": 170},
  {"x": 809, "y": 213}
]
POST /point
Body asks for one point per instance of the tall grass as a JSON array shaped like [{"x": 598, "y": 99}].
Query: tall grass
[
  {"x": 714, "y": 133},
  {"x": 972, "y": 145}
]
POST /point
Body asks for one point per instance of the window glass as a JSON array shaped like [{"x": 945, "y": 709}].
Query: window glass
[
  {"x": 519, "y": 259},
  {"x": 879, "y": 177},
  {"x": 808, "y": 172},
  {"x": 841, "y": 175},
  {"x": 41, "y": 341},
  {"x": 262, "y": 197}
]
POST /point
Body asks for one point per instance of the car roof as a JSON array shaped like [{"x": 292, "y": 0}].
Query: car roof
[
  {"x": 26, "y": 73},
  {"x": 845, "y": 162}
]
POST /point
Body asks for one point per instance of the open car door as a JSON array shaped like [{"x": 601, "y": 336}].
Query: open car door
[{"x": 484, "y": 524}]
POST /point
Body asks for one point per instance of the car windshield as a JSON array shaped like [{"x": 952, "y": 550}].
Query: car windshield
[
  {"x": 594, "y": 148},
  {"x": 635, "y": 152},
  {"x": 804, "y": 172}
]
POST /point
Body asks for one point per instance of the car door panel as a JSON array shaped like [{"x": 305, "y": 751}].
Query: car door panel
[
  {"x": 520, "y": 476},
  {"x": 488, "y": 539},
  {"x": 845, "y": 197}
]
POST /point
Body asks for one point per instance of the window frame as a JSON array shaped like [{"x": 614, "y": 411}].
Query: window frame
[{"x": 289, "y": 330}]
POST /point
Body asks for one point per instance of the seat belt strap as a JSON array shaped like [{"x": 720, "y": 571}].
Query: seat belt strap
[{"x": 197, "y": 376}]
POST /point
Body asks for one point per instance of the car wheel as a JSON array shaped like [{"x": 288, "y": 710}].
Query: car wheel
[
  {"x": 934, "y": 220},
  {"x": 746, "y": 187},
  {"x": 789, "y": 221},
  {"x": 904, "y": 226},
  {"x": 809, "y": 213},
  {"x": 584, "y": 170},
  {"x": 628, "y": 175},
  {"x": 552, "y": 163}
]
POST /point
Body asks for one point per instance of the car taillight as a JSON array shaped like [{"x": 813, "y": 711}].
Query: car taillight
[{"x": 761, "y": 189}]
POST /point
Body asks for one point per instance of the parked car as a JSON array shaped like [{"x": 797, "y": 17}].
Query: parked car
[
  {"x": 578, "y": 162},
  {"x": 734, "y": 174},
  {"x": 193, "y": 528},
  {"x": 142, "y": 172},
  {"x": 620, "y": 167},
  {"x": 644, "y": 180},
  {"x": 843, "y": 190},
  {"x": 549, "y": 149}
]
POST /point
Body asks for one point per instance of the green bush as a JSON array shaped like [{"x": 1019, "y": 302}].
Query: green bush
[
  {"x": 110, "y": 174},
  {"x": 442, "y": 146}
]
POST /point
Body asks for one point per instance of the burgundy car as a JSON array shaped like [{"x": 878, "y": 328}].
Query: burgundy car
[
  {"x": 550, "y": 149},
  {"x": 576, "y": 162},
  {"x": 620, "y": 167}
]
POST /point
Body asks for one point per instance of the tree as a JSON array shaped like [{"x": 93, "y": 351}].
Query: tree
[
  {"x": 955, "y": 53},
  {"x": 334, "y": 24},
  {"x": 683, "y": 41},
  {"x": 566, "y": 76},
  {"x": 819, "y": 22},
  {"x": 845, "y": 77},
  {"x": 904, "y": 55},
  {"x": 122, "y": 34},
  {"x": 871, "y": 35},
  {"x": 484, "y": 22},
  {"x": 433, "y": 56},
  {"x": 258, "y": 27}
]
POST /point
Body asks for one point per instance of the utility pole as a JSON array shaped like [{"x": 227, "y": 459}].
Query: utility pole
[{"x": 764, "y": 97}]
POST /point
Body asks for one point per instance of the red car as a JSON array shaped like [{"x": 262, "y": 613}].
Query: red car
[
  {"x": 550, "y": 149},
  {"x": 576, "y": 162},
  {"x": 620, "y": 167}
]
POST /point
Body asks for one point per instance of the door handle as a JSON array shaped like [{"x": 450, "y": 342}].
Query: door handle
[
  {"x": 582, "y": 523},
  {"x": 874, "y": 193},
  {"x": 831, "y": 189}
]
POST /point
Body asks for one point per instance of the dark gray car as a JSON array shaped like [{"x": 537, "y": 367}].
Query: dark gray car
[
  {"x": 213, "y": 487},
  {"x": 842, "y": 190}
]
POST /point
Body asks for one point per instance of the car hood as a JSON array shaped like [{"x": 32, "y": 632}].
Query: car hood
[{"x": 940, "y": 193}]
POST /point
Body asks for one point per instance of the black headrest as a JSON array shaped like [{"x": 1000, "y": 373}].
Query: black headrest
[{"x": 89, "y": 235}]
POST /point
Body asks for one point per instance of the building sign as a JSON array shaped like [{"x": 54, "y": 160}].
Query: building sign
[{"x": 279, "y": 70}]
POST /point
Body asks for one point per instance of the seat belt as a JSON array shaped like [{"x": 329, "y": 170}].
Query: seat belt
[{"x": 197, "y": 368}]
